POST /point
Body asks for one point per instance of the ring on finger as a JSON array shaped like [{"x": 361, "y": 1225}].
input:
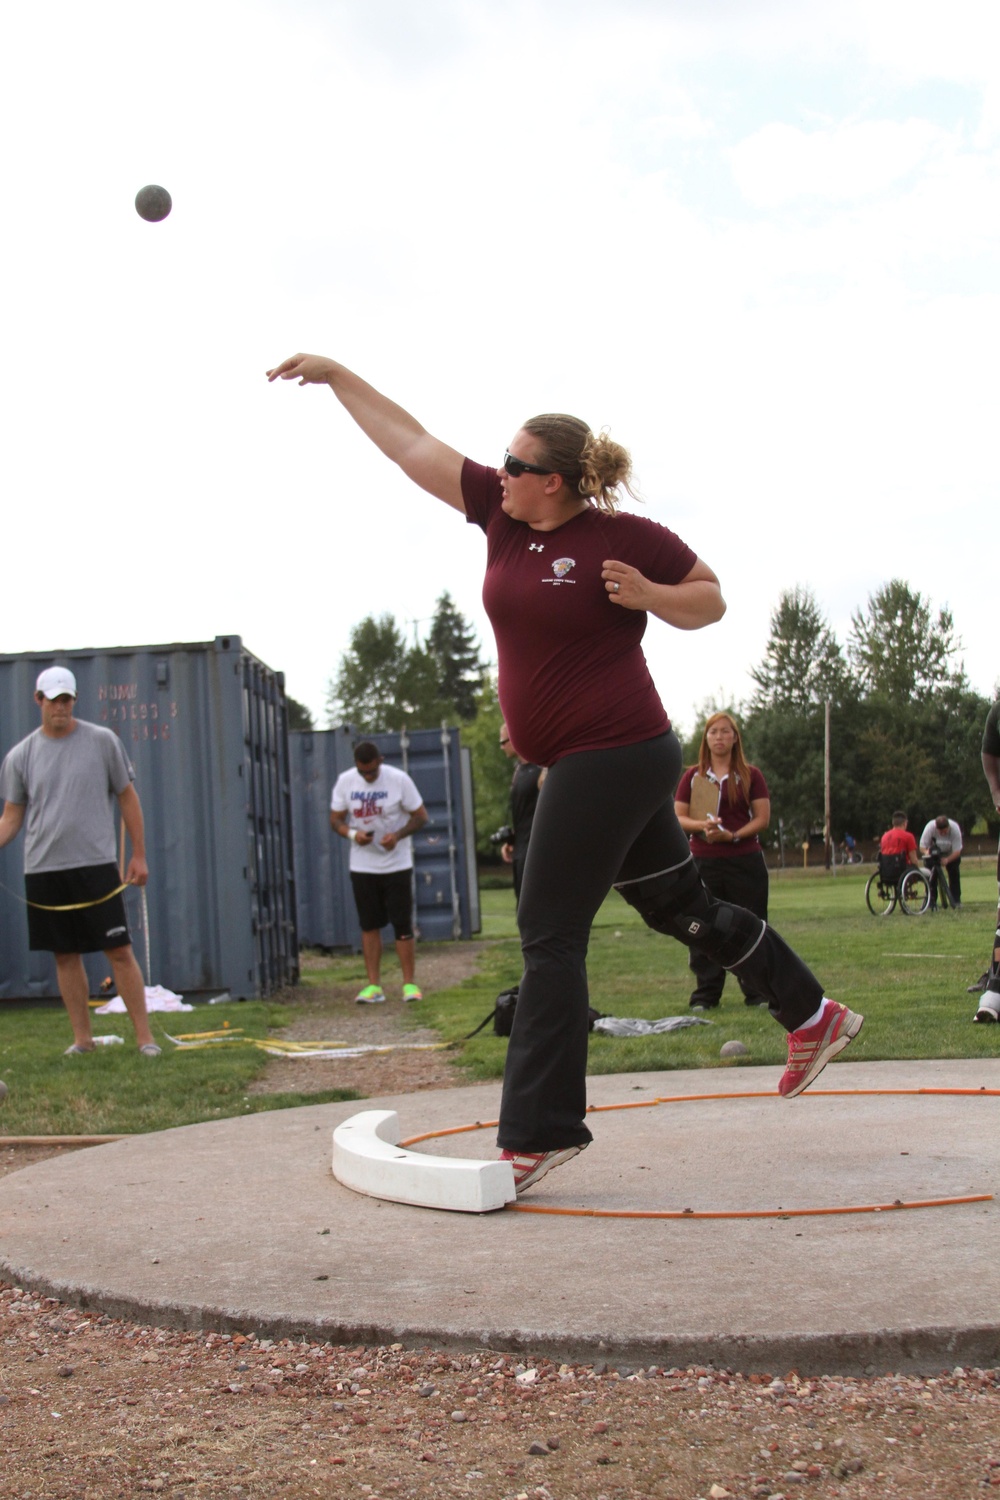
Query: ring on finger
[{"x": 615, "y": 587}]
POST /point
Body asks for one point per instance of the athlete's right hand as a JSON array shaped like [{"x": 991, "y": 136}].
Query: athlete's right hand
[{"x": 307, "y": 369}]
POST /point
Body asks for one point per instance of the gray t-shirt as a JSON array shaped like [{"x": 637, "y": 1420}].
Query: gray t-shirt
[{"x": 69, "y": 786}]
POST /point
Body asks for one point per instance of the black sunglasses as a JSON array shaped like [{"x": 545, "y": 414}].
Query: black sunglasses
[{"x": 516, "y": 467}]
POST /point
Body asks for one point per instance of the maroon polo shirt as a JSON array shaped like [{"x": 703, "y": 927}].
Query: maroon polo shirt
[{"x": 572, "y": 673}]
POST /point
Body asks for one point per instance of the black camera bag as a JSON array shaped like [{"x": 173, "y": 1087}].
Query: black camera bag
[{"x": 502, "y": 1014}]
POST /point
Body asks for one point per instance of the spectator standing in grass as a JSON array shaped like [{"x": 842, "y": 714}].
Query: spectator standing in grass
[
  {"x": 732, "y": 809},
  {"x": 62, "y": 784},
  {"x": 377, "y": 808}
]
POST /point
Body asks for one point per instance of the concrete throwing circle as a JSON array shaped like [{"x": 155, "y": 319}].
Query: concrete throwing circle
[{"x": 891, "y": 1206}]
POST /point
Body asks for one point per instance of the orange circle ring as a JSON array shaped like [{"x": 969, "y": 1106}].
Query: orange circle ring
[{"x": 756, "y": 1213}]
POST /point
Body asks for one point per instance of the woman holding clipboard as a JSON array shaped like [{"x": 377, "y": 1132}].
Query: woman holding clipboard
[{"x": 723, "y": 805}]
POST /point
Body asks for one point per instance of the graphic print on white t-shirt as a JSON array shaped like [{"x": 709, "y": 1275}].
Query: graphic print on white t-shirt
[{"x": 377, "y": 807}]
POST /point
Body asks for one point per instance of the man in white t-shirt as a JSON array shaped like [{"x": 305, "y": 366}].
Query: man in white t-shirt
[{"x": 377, "y": 808}]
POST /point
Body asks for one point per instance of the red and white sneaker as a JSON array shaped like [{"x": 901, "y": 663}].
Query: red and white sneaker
[
  {"x": 811, "y": 1048},
  {"x": 531, "y": 1166}
]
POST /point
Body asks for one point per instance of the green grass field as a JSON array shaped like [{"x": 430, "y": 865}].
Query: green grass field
[
  {"x": 117, "y": 1092},
  {"x": 908, "y": 975}
]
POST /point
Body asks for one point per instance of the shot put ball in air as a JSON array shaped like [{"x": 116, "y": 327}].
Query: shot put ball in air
[{"x": 153, "y": 203}]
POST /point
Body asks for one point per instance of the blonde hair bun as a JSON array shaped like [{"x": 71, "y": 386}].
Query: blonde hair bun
[{"x": 595, "y": 466}]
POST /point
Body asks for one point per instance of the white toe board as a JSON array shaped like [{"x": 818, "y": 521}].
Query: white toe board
[{"x": 368, "y": 1158}]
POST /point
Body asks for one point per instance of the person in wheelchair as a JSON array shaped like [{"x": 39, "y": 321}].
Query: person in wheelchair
[{"x": 897, "y": 848}]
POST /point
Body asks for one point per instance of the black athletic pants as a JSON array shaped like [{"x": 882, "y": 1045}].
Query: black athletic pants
[
  {"x": 603, "y": 817},
  {"x": 741, "y": 879}
]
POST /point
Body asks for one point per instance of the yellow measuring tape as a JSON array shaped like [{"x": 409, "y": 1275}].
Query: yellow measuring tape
[
  {"x": 74, "y": 906},
  {"x": 80, "y": 905}
]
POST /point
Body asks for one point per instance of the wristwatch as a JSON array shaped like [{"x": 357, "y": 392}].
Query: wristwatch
[{"x": 736, "y": 838}]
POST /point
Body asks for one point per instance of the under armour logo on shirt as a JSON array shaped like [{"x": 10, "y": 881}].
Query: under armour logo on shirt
[{"x": 536, "y": 546}]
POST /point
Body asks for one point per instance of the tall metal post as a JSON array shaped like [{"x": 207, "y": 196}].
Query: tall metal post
[{"x": 826, "y": 790}]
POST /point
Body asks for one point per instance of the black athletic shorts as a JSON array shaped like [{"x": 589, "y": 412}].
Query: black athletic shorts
[
  {"x": 93, "y": 928},
  {"x": 384, "y": 898}
]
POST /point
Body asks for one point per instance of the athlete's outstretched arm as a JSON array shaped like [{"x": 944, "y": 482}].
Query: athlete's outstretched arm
[{"x": 427, "y": 461}]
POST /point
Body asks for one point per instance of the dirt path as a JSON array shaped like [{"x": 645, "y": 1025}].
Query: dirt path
[{"x": 334, "y": 1015}]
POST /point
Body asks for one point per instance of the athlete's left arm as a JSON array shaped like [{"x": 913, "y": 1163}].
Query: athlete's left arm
[
  {"x": 695, "y": 601},
  {"x": 138, "y": 870}
]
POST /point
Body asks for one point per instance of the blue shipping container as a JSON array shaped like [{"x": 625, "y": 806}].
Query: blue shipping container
[{"x": 446, "y": 885}]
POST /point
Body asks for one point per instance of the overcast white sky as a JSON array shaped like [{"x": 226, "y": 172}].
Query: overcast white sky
[{"x": 756, "y": 238}]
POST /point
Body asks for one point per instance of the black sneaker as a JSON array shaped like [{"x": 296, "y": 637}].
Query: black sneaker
[{"x": 980, "y": 984}]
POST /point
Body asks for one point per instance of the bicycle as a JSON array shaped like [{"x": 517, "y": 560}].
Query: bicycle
[
  {"x": 891, "y": 883},
  {"x": 938, "y": 879},
  {"x": 849, "y": 854}
]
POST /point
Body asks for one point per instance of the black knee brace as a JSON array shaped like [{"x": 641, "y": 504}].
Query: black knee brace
[{"x": 676, "y": 903}]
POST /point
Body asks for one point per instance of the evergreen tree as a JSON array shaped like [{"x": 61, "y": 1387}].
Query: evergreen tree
[
  {"x": 452, "y": 644},
  {"x": 802, "y": 669},
  {"x": 803, "y": 664}
]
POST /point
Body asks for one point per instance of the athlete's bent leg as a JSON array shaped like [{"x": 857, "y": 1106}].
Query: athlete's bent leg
[
  {"x": 674, "y": 901},
  {"x": 710, "y": 977}
]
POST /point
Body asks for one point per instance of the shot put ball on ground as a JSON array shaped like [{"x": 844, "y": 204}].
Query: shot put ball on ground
[{"x": 153, "y": 203}]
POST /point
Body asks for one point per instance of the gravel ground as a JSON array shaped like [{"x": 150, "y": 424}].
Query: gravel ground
[{"x": 93, "y": 1408}]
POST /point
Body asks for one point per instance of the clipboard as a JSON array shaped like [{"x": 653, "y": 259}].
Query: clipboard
[{"x": 704, "y": 797}]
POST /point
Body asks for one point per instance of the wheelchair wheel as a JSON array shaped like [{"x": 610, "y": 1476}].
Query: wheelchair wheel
[
  {"x": 915, "y": 893},
  {"x": 881, "y": 897}
]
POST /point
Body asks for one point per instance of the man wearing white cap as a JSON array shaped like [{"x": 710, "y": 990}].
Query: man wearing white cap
[{"x": 61, "y": 783}]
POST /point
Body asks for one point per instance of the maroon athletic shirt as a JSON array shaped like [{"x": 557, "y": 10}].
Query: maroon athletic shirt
[{"x": 572, "y": 674}]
